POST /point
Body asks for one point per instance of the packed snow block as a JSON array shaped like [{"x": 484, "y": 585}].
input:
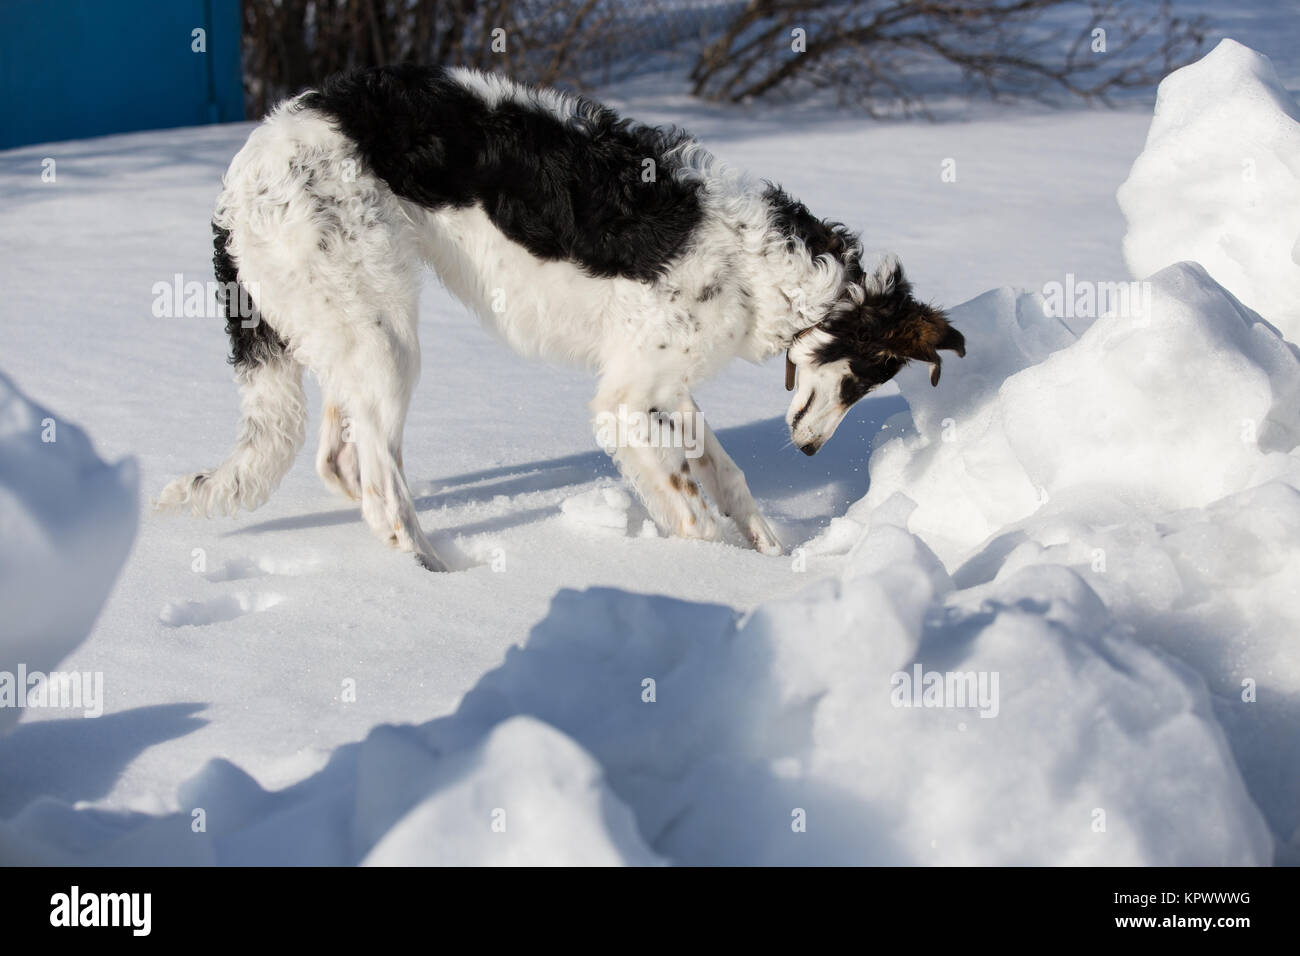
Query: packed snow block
[
  {"x": 67, "y": 520},
  {"x": 1219, "y": 182},
  {"x": 1196, "y": 400}
]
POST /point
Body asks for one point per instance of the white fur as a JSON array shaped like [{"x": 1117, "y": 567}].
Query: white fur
[
  {"x": 335, "y": 259},
  {"x": 273, "y": 414}
]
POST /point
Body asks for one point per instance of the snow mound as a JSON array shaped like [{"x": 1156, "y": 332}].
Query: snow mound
[
  {"x": 67, "y": 521},
  {"x": 880, "y": 717},
  {"x": 781, "y": 739},
  {"x": 1173, "y": 409},
  {"x": 526, "y": 796},
  {"x": 1213, "y": 587},
  {"x": 1219, "y": 182},
  {"x": 1156, "y": 457},
  {"x": 605, "y": 507}
]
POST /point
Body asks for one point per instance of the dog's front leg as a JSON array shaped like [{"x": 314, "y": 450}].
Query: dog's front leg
[
  {"x": 726, "y": 485},
  {"x": 645, "y": 441}
]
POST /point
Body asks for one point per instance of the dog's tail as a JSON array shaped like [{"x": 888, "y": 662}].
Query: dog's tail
[{"x": 273, "y": 408}]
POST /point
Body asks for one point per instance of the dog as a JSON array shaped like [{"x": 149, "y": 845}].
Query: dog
[{"x": 577, "y": 235}]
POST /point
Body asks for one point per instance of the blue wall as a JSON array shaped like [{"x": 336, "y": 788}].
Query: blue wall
[{"x": 76, "y": 68}]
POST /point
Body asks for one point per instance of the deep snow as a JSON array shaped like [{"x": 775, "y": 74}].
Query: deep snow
[
  {"x": 67, "y": 520},
  {"x": 1098, "y": 513},
  {"x": 1219, "y": 182}
]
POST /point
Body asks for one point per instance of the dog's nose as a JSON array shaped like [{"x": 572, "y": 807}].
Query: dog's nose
[{"x": 810, "y": 449}]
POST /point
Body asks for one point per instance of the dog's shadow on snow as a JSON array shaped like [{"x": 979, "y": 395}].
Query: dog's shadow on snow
[{"x": 775, "y": 470}]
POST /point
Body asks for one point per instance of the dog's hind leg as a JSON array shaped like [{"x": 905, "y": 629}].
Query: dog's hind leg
[
  {"x": 273, "y": 409},
  {"x": 336, "y": 457},
  {"x": 374, "y": 382},
  {"x": 330, "y": 257},
  {"x": 725, "y": 483},
  {"x": 273, "y": 414}
]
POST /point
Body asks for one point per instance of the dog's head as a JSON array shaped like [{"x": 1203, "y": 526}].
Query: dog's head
[{"x": 875, "y": 329}]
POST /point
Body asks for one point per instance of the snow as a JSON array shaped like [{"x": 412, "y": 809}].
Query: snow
[
  {"x": 66, "y": 523},
  {"x": 561, "y": 812},
  {"x": 565, "y": 754},
  {"x": 1155, "y": 456},
  {"x": 1161, "y": 411},
  {"x": 1219, "y": 182},
  {"x": 600, "y": 508},
  {"x": 1089, "y": 529}
]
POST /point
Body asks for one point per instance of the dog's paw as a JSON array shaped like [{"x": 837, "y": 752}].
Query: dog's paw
[
  {"x": 761, "y": 535},
  {"x": 696, "y": 521},
  {"x": 430, "y": 562},
  {"x": 183, "y": 495}
]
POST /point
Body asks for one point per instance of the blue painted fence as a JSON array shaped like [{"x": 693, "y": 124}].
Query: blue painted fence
[{"x": 76, "y": 68}]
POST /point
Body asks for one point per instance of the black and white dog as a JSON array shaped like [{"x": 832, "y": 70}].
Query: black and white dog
[{"x": 577, "y": 235}]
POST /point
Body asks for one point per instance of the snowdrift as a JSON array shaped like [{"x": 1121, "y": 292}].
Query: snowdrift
[
  {"x": 783, "y": 738},
  {"x": 1219, "y": 182},
  {"x": 1175, "y": 409},
  {"x": 1154, "y": 456},
  {"x": 67, "y": 520}
]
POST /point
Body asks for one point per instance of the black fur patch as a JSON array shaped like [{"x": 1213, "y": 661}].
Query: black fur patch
[
  {"x": 252, "y": 341},
  {"x": 821, "y": 237},
  {"x": 566, "y": 189}
]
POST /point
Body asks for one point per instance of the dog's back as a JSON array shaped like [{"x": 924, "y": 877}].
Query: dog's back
[
  {"x": 547, "y": 201},
  {"x": 563, "y": 176}
]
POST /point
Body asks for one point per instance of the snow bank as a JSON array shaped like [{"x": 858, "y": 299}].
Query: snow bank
[
  {"x": 1153, "y": 455},
  {"x": 1219, "y": 182},
  {"x": 1087, "y": 748},
  {"x": 1175, "y": 409},
  {"x": 632, "y": 728},
  {"x": 1214, "y": 587},
  {"x": 67, "y": 520}
]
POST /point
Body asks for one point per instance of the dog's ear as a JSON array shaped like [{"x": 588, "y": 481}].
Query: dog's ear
[
  {"x": 918, "y": 332},
  {"x": 949, "y": 341},
  {"x": 898, "y": 326}
]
